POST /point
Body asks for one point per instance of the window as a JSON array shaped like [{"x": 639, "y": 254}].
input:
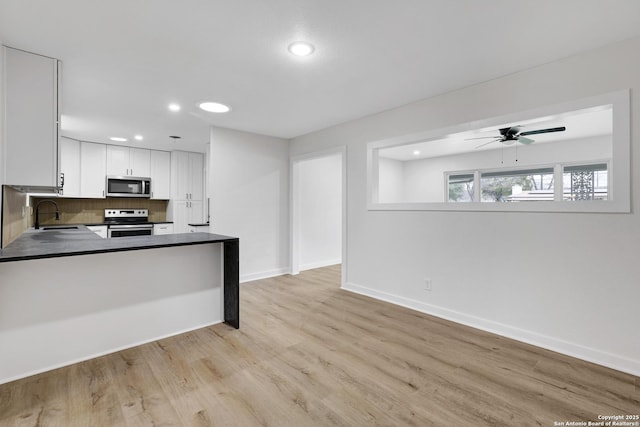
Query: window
[
  {"x": 517, "y": 186},
  {"x": 571, "y": 157},
  {"x": 580, "y": 182},
  {"x": 461, "y": 188},
  {"x": 585, "y": 182}
]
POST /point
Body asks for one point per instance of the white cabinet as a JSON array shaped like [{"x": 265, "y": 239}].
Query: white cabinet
[
  {"x": 70, "y": 167},
  {"x": 187, "y": 189},
  {"x": 128, "y": 161},
  {"x": 82, "y": 168},
  {"x": 186, "y": 212},
  {"x": 31, "y": 118},
  {"x": 160, "y": 229},
  {"x": 160, "y": 174},
  {"x": 100, "y": 230},
  {"x": 187, "y": 173},
  {"x": 93, "y": 169}
]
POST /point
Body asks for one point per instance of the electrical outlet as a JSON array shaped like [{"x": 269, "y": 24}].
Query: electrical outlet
[{"x": 427, "y": 284}]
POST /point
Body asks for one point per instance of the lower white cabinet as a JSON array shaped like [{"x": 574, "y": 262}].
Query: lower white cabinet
[
  {"x": 100, "y": 230},
  {"x": 160, "y": 229}
]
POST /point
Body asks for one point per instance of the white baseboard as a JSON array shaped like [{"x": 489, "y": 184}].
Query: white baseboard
[
  {"x": 578, "y": 351},
  {"x": 264, "y": 274},
  {"x": 319, "y": 264}
]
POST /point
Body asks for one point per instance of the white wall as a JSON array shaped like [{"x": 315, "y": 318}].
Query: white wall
[
  {"x": 391, "y": 180},
  {"x": 564, "y": 281},
  {"x": 2, "y": 149},
  {"x": 320, "y": 211},
  {"x": 249, "y": 190}
]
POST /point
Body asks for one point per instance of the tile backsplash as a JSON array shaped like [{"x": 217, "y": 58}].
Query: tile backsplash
[
  {"x": 91, "y": 211},
  {"x": 15, "y": 218}
]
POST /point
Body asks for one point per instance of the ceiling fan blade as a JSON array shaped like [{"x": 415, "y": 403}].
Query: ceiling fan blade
[
  {"x": 525, "y": 140},
  {"x": 534, "y": 132},
  {"x": 480, "y": 137},
  {"x": 487, "y": 143}
]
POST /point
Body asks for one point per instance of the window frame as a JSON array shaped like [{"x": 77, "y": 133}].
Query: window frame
[
  {"x": 619, "y": 166},
  {"x": 558, "y": 170}
]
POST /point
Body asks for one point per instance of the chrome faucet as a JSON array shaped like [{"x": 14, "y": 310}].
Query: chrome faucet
[{"x": 37, "y": 225}]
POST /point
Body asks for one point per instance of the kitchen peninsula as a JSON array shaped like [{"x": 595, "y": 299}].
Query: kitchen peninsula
[{"x": 67, "y": 295}]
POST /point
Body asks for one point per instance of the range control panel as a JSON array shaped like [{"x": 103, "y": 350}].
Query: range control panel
[{"x": 126, "y": 213}]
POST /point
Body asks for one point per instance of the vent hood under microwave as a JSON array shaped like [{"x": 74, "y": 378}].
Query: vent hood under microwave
[{"x": 128, "y": 186}]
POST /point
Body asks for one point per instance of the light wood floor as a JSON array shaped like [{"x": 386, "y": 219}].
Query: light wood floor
[{"x": 310, "y": 354}]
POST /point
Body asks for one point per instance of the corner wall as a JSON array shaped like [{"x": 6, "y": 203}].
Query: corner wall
[
  {"x": 567, "y": 282},
  {"x": 249, "y": 190},
  {"x": 2, "y": 148}
]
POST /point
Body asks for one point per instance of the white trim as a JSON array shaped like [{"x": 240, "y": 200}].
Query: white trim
[
  {"x": 578, "y": 351},
  {"x": 620, "y": 181},
  {"x": 264, "y": 274},
  {"x": 103, "y": 353},
  {"x": 294, "y": 225},
  {"x": 320, "y": 264}
]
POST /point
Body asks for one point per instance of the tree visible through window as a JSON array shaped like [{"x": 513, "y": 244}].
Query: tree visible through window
[
  {"x": 511, "y": 186},
  {"x": 461, "y": 188}
]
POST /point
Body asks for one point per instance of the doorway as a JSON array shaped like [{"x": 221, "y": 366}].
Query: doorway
[{"x": 318, "y": 210}]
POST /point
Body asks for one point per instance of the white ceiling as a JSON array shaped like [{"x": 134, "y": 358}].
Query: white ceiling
[
  {"x": 125, "y": 60},
  {"x": 579, "y": 125}
]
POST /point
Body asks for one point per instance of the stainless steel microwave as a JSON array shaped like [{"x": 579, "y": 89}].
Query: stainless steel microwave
[{"x": 128, "y": 186}]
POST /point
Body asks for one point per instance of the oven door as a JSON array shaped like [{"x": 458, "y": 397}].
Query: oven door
[{"x": 130, "y": 230}]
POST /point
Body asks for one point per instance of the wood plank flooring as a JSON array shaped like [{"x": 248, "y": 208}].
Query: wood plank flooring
[{"x": 310, "y": 354}]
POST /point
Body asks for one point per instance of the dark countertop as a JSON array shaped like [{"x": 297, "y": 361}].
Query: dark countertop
[
  {"x": 36, "y": 244},
  {"x": 102, "y": 223}
]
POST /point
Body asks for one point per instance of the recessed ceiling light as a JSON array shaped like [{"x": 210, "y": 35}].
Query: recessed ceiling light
[
  {"x": 139, "y": 137},
  {"x": 416, "y": 153},
  {"x": 301, "y": 48},
  {"x": 214, "y": 107},
  {"x": 118, "y": 139},
  {"x": 174, "y": 107}
]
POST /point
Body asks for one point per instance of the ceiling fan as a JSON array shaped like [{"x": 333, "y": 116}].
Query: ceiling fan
[{"x": 512, "y": 134}]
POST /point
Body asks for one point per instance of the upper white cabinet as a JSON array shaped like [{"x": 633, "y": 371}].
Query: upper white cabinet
[
  {"x": 128, "y": 161},
  {"x": 70, "y": 167},
  {"x": 93, "y": 169},
  {"x": 82, "y": 168},
  {"x": 187, "y": 170},
  {"x": 31, "y": 118},
  {"x": 160, "y": 174}
]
